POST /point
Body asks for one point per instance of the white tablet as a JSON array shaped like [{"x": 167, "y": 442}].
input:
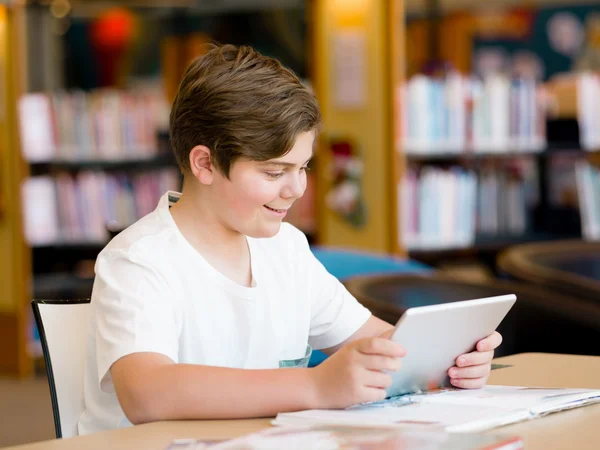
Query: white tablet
[{"x": 434, "y": 336}]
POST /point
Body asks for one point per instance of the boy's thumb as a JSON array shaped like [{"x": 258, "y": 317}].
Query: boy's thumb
[{"x": 388, "y": 333}]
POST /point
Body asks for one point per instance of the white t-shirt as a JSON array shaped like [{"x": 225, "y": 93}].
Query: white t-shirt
[{"x": 154, "y": 292}]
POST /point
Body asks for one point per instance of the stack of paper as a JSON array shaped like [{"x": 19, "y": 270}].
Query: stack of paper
[
  {"x": 451, "y": 410},
  {"x": 354, "y": 438}
]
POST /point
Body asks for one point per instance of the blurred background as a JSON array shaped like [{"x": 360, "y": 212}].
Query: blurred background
[{"x": 458, "y": 154}]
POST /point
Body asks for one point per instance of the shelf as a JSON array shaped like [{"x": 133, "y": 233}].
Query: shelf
[
  {"x": 160, "y": 161},
  {"x": 549, "y": 151},
  {"x": 501, "y": 241},
  {"x": 68, "y": 245},
  {"x": 466, "y": 156},
  {"x": 496, "y": 243}
]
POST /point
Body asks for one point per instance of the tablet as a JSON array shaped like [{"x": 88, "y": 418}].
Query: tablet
[{"x": 434, "y": 336}]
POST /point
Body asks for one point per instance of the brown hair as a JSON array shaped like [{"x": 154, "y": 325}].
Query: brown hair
[{"x": 239, "y": 103}]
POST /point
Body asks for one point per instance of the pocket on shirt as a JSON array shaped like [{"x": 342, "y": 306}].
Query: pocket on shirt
[{"x": 298, "y": 362}]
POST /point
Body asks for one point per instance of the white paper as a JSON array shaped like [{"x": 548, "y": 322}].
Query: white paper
[
  {"x": 451, "y": 410},
  {"x": 349, "y": 69}
]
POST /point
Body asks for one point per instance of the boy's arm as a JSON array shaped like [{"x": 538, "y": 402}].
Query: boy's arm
[{"x": 150, "y": 386}]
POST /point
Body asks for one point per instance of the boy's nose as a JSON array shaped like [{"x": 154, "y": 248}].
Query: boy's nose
[{"x": 294, "y": 189}]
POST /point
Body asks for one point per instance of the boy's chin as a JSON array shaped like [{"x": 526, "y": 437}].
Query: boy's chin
[{"x": 264, "y": 231}]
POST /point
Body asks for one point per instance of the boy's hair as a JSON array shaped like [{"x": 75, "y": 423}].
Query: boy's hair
[{"x": 239, "y": 103}]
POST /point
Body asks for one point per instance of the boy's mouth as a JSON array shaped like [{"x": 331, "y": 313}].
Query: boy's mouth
[{"x": 278, "y": 211}]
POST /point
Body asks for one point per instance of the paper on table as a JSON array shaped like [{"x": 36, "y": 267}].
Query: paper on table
[
  {"x": 511, "y": 397},
  {"x": 429, "y": 415},
  {"x": 362, "y": 438},
  {"x": 453, "y": 410}
]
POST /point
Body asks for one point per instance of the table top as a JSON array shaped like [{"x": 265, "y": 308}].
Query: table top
[{"x": 577, "y": 428}]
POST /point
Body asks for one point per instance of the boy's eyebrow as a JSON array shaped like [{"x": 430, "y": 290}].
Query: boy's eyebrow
[{"x": 283, "y": 164}]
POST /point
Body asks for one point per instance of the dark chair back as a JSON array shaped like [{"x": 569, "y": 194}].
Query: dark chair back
[{"x": 541, "y": 320}]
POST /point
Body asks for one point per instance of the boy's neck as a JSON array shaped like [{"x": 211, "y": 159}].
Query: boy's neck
[
  {"x": 225, "y": 249},
  {"x": 198, "y": 223}
]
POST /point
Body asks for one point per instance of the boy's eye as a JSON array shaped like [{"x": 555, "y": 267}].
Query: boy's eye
[
  {"x": 274, "y": 174},
  {"x": 305, "y": 168}
]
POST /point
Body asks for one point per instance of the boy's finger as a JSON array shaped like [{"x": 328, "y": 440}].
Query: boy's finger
[
  {"x": 474, "y": 359},
  {"x": 380, "y": 346},
  {"x": 371, "y": 394},
  {"x": 489, "y": 343},
  {"x": 480, "y": 371},
  {"x": 388, "y": 334},
  {"x": 377, "y": 379},
  {"x": 465, "y": 383},
  {"x": 378, "y": 362}
]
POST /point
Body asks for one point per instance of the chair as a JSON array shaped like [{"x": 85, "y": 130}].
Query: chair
[
  {"x": 542, "y": 320},
  {"x": 571, "y": 267},
  {"x": 63, "y": 325}
]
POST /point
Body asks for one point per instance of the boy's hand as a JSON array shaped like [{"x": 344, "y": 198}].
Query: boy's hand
[
  {"x": 473, "y": 369},
  {"x": 354, "y": 374}
]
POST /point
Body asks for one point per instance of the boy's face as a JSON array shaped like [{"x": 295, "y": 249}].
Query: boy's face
[{"x": 257, "y": 195}]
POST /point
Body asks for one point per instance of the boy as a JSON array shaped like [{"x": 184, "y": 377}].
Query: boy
[{"x": 211, "y": 284}]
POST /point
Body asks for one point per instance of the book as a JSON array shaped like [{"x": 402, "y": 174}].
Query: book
[
  {"x": 101, "y": 125},
  {"x": 588, "y": 189},
  {"x": 451, "y": 410},
  {"x": 354, "y": 438},
  {"x": 78, "y": 207},
  {"x": 455, "y": 114},
  {"x": 452, "y": 207},
  {"x": 588, "y": 110},
  {"x": 38, "y": 197}
]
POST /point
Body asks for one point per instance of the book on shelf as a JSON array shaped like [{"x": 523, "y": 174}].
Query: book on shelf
[
  {"x": 104, "y": 124},
  {"x": 77, "y": 208},
  {"x": 588, "y": 110},
  {"x": 353, "y": 438},
  {"x": 588, "y": 189},
  {"x": 448, "y": 208},
  {"x": 451, "y": 410},
  {"x": 437, "y": 208},
  {"x": 562, "y": 188},
  {"x": 40, "y": 221},
  {"x": 459, "y": 114}
]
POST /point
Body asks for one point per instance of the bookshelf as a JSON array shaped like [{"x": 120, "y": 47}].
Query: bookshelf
[
  {"x": 545, "y": 218},
  {"x": 15, "y": 273},
  {"x": 98, "y": 159},
  {"x": 547, "y": 133}
]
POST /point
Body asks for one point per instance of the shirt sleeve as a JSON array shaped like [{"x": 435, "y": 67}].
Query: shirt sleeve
[
  {"x": 335, "y": 313},
  {"x": 134, "y": 312}
]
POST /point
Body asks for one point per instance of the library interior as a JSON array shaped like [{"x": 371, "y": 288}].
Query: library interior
[{"x": 458, "y": 158}]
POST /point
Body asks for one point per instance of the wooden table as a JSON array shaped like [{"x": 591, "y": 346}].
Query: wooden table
[{"x": 576, "y": 429}]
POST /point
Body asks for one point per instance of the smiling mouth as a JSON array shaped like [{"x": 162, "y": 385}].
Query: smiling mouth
[{"x": 281, "y": 211}]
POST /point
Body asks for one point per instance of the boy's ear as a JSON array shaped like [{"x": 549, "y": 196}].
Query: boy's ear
[{"x": 201, "y": 165}]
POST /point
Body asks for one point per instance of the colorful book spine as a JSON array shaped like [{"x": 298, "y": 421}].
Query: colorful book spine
[
  {"x": 78, "y": 208},
  {"x": 105, "y": 124},
  {"x": 450, "y": 208},
  {"x": 459, "y": 114}
]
